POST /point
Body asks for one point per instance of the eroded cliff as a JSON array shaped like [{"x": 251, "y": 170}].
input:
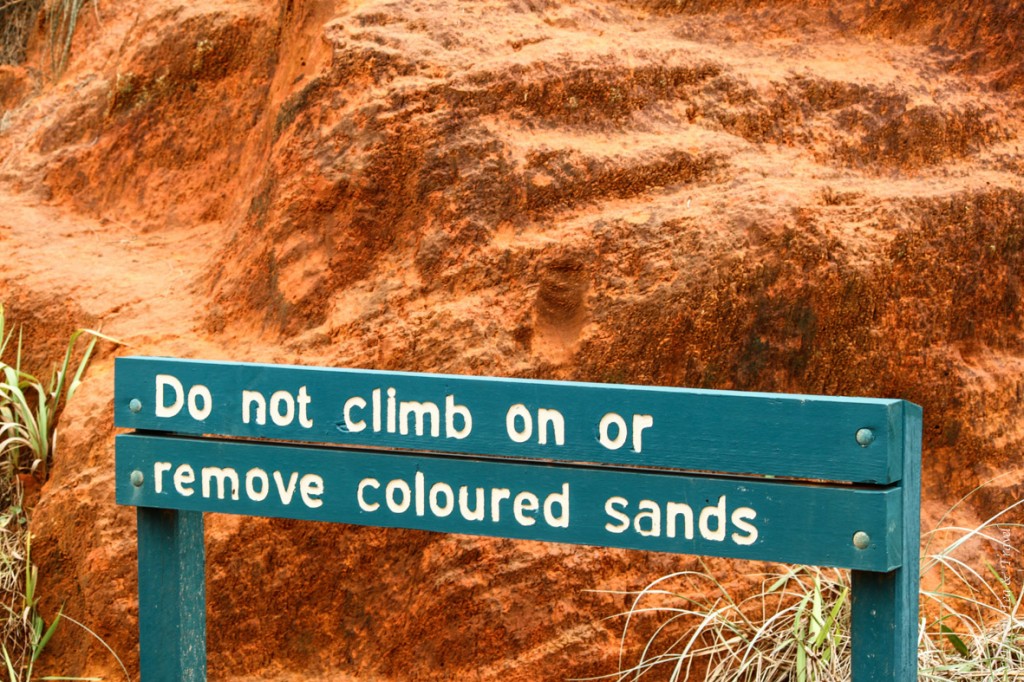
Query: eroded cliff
[{"x": 813, "y": 197}]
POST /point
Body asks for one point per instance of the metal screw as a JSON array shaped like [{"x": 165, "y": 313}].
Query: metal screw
[
  {"x": 861, "y": 540},
  {"x": 865, "y": 437},
  {"x": 137, "y": 478},
  {"x": 135, "y": 405}
]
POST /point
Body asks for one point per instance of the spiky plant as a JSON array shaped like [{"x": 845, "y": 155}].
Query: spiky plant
[{"x": 29, "y": 413}]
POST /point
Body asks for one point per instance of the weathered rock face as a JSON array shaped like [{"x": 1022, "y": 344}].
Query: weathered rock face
[{"x": 803, "y": 197}]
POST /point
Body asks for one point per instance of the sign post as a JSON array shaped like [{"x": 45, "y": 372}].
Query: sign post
[
  {"x": 797, "y": 479},
  {"x": 172, "y": 595}
]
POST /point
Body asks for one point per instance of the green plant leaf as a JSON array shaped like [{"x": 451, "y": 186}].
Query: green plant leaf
[
  {"x": 833, "y": 615},
  {"x": 45, "y": 639},
  {"x": 12, "y": 676},
  {"x": 29, "y": 413},
  {"x": 957, "y": 643},
  {"x": 814, "y": 626}
]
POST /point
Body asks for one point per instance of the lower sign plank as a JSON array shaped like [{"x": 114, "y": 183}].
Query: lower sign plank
[{"x": 644, "y": 510}]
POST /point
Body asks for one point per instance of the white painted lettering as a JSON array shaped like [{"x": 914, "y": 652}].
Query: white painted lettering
[
  {"x": 158, "y": 475},
  {"x": 525, "y": 502},
  {"x": 467, "y": 513},
  {"x": 194, "y": 393},
  {"x": 610, "y": 508},
  {"x": 249, "y": 398},
  {"x": 436, "y": 508},
  {"x": 716, "y": 512},
  {"x": 285, "y": 492},
  {"x": 673, "y": 510},
  {"x": 398, "y": 506},
  {"x": 164, "y": 410},
  {"x": 223, "y": 476},
  {"x": 391, "y": 410},
  {"x": 497, "y": 495},
  {"x": 184, "y": 475},
  {"x": 354, "y": 426},
  {"x": 451, "y": 410},
  {"x": 621, "y": 432},
  {"x": 559, "y": 520},
  {"x": 304, "y": 400},
  {"x": 253, "y": 475},
  {"x": 553, "y": 418},
  {"x": 651, "y": 512},
  {"x": 640, "y": 422},
  {"x": 361, "y": 491},
  {"x": 519, "y": 411},
  {"x": 420, "y": 496},
  {"x": 279, "y": 417},
  {"x": 740, "y": 516},
  {"x": 311, "y": 487},
  {"x": 421, "y": 410},
  {"x": 375, "y": 397}
]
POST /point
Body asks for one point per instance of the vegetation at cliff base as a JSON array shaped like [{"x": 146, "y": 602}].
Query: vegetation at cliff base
[
  {"x": 29, "y": 414},
  {"x": 796, "y": 627}
]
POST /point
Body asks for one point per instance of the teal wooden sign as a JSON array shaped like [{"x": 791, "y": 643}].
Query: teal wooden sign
[{"x": 798, "y": 479}]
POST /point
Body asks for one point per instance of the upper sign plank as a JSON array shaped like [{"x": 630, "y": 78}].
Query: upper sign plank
[{"x": 808, "y": 437}]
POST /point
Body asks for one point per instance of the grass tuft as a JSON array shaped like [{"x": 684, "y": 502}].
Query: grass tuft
[
  {"x": 17, "y": 18},
  {"x": 795, "y": 628},
  {"x": 29, "y": 413},
  {"x": 973, "y": 625},
  {"x": 62, "y": 19}
]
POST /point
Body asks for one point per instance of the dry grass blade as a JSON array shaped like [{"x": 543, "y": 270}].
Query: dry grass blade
[
  {"x": 976, "y": 627},
  {"x": 789, "y": 630},
  {"x": 17, "y": 17},
  {"x": 795, "y": 628}
]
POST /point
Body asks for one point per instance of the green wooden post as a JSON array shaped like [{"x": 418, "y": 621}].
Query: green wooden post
[
  {"x": 172, "y": 596},
  {"x": 884, "y": 628}
]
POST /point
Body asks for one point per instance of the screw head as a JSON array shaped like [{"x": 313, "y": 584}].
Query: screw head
[
  {"x": 137, "y": 478},
  {"x": 861, "y": 540},
  {"x": 135, "y": 405},
  {"x": 865, "y": 437}
]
